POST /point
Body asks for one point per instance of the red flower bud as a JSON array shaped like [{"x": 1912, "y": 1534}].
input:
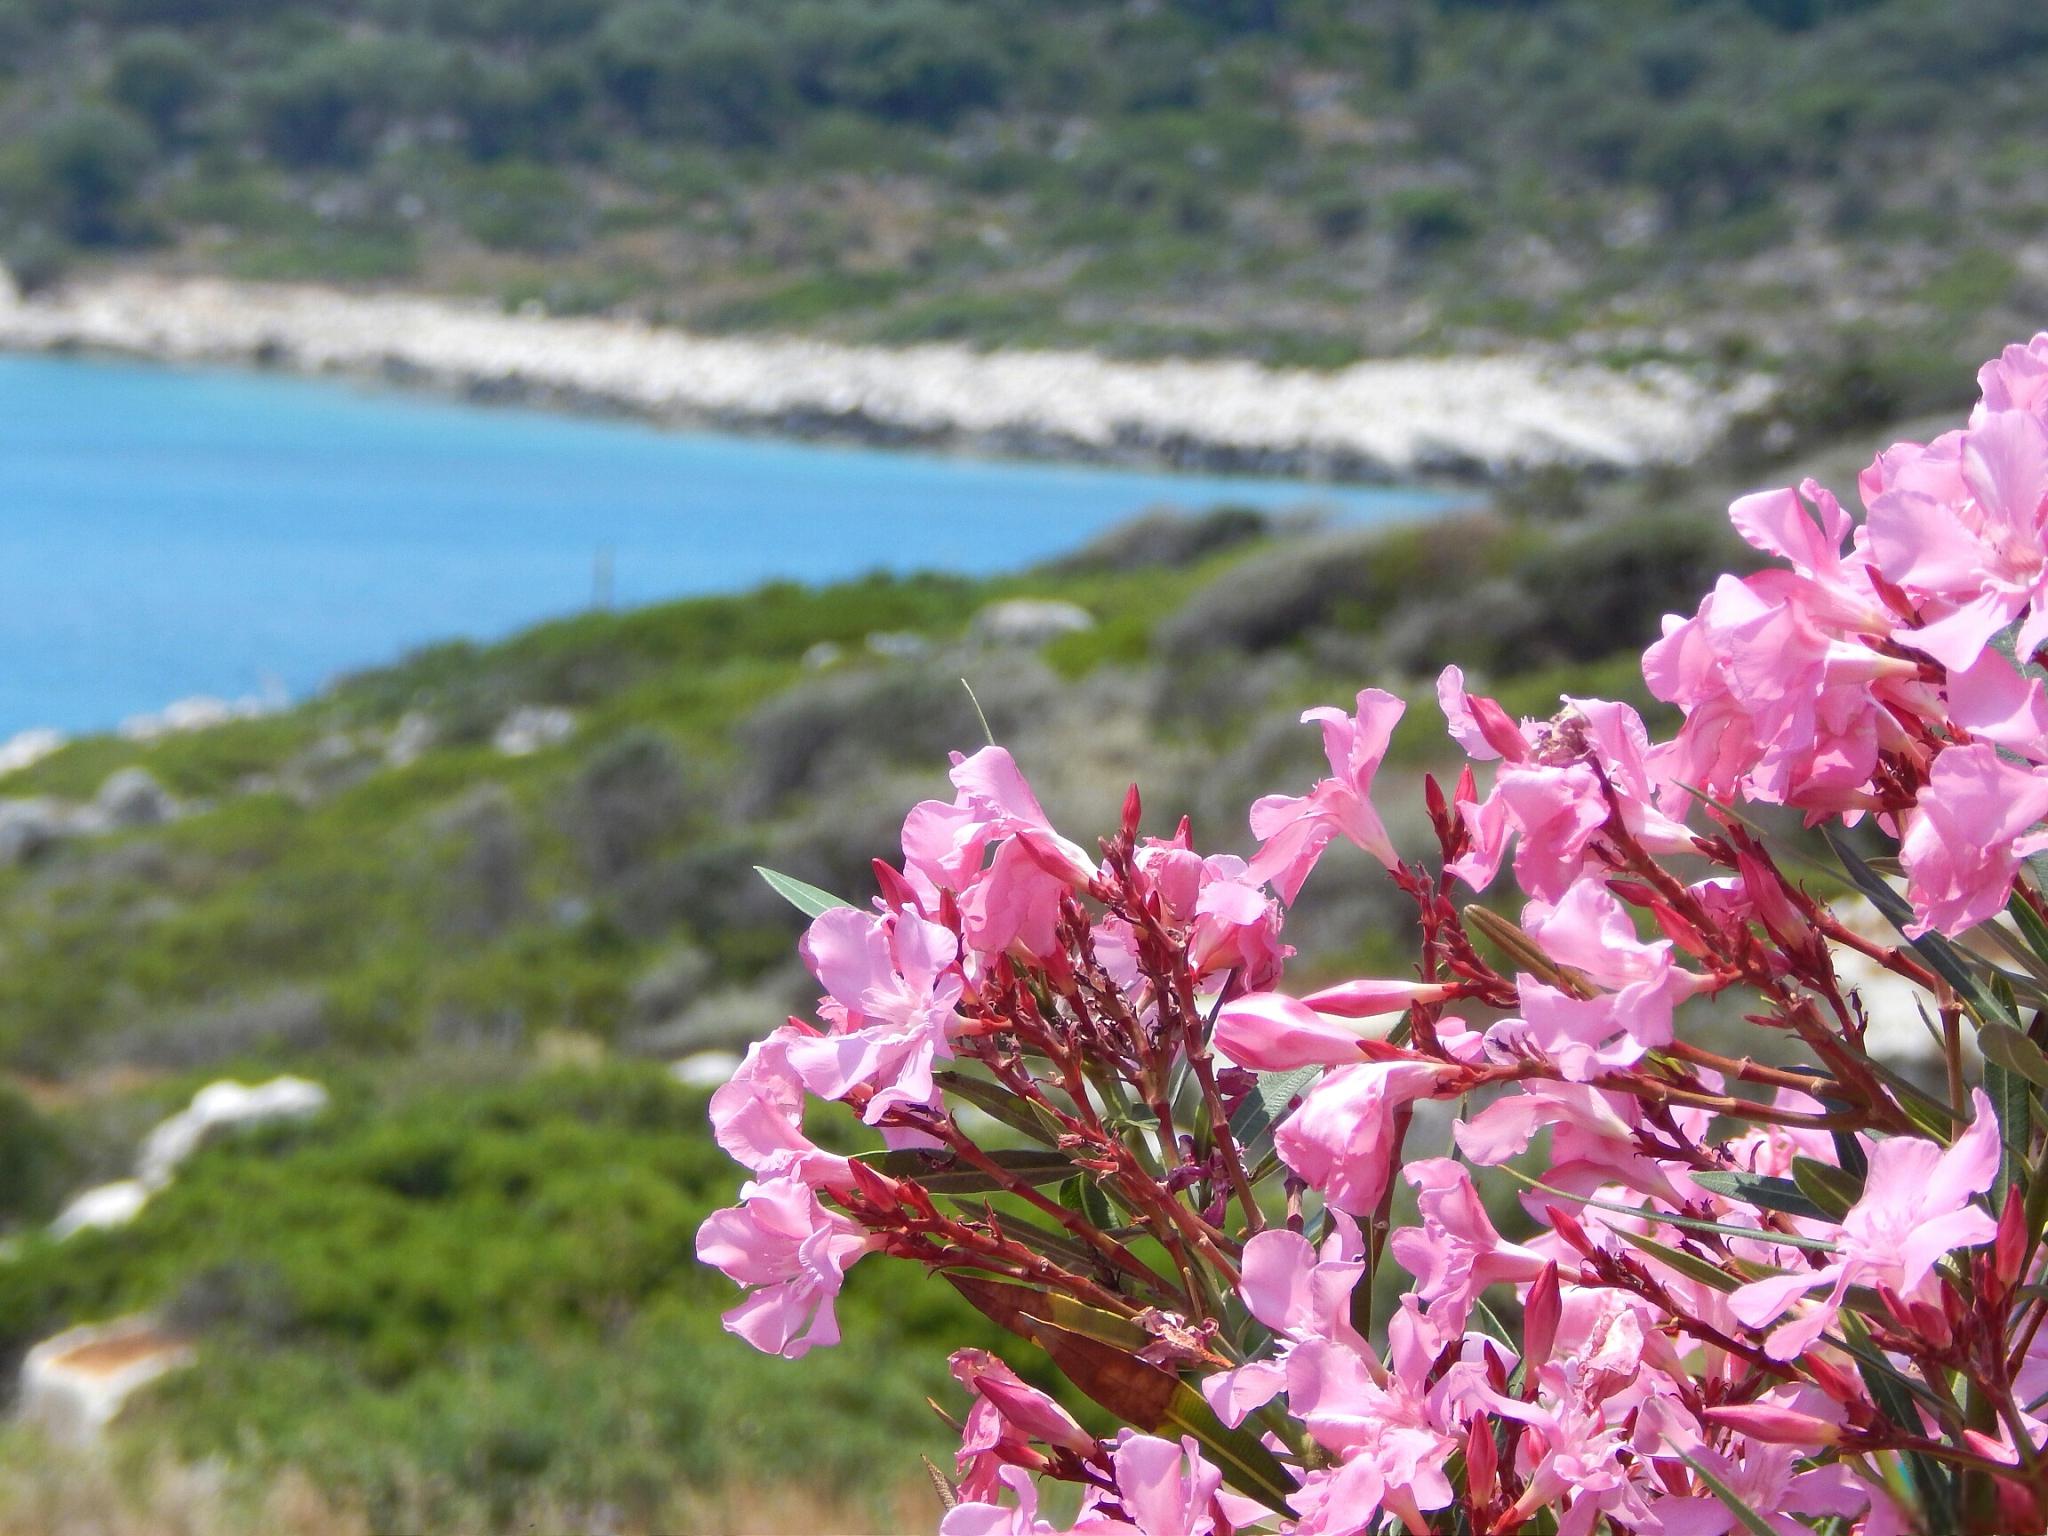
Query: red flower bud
[
  {"x": 1540, "y": 1314},
  {"x": 1481, "y": 1462},
  {"x": 1774, "y": 1426}
]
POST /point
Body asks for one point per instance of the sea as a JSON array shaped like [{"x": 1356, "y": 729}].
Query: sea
[{"x": 168, "y": 533}]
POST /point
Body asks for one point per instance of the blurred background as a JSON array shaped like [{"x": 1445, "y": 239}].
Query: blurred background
[{"x": 477, "y": 477}]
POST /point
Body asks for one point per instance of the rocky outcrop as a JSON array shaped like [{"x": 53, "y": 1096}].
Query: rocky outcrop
[
  {"x": 74, "y": 1385},
  {"x": 1470, "y": 417}
]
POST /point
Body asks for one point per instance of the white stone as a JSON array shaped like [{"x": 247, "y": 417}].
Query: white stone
[
  {"x": 531, "y": 727},
  {"x": 132, "y": 797},
  {"x": 1403, "y": 415},
  {"x": 1030, "y": 621},
  {"x": 104, "y": 1205},
  {"x": 219, "y": 1106},
  {"x": 705, "y": 1069},
  {"x": 898, "y": 645},
  {"x": 410, "y": 739},
  {"x": 74, "y": 1385}
]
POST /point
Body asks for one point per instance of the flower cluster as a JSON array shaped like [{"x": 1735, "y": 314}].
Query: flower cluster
[{"x": 1729, "y": 1296}]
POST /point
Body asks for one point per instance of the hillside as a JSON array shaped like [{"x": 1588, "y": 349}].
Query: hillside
[
  {"x": 487, "y": 895},
  {"x": 1802, "y": 183}
]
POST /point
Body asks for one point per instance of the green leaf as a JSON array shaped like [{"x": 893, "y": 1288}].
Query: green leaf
[
  {"x": 1238, "y": 1454},
  {"x": 999, "y": 1103},
  {"x": 2029, "y": 923},
  {"x": 1687, "y": 1223},
  {"x": 943, "y": 1174},
  {"x": 1691, "y": 1265},
  {"x": 1761, "y": 1190},
  {"x": 1265, "y": 1106},
  {"x": 2014, "y": 1105},
  {"x": 1832, "y": 1189},
  {"x": 807, "y": 899},
  {"x": 1079, "y": 1194},
  {"x": 1946, "y": 960},
  {"x": 1751, "y": 1521},
  {"x": 2012, "y": 1050}
]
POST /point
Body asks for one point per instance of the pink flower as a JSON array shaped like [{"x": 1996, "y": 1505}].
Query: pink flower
[
  {"x": 977, "y": 1517},
  {"x": 1300, "y": 1293},
  {"x": 792, "y": 1253},
  {"x": 992, "y": 786},
  {"x": 892, "y": 987},
  {"x": 1165, "y": 1489},
  {"x": 1008, "y": 1413},
  {"x": 1294, "y": 831},
  {"x": 1916, "y": 1207},
  {"x": 1233, "y": 925},
  {"x": 757, "y": 1117},
  {"x": 1977, "y": 559},
  {"x": 1966, "y": 836},
  {"x": 1455, "y": 1253},
  {"x": 1994, "y": 702},
  {"x": 1270, "y": 1032},
  {"x": 1551, "y": 790},
  {"x": 1341, "y": 1139}
]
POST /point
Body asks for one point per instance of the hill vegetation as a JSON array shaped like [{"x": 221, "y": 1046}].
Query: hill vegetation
[
  {"x": 463, "y": 1298},
  {"x": 1301, "y": 180}
]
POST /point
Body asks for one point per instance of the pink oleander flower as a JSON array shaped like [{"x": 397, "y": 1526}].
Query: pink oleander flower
[
  {"x": 792, "y": 1254},
  {"x": 1166, "y": 1489},
  {"x": 1380, "y": 1417},
  {"x": 892, "y": 986},
  {"x": 1551, "y": 792},
  {"x": 1271, "y": 1032},
  {"x": 757, "y": 1117},
  {"x": 1233, "y": 925},
  {"x": 1971, "y": 548},
  {"x": 1007, "y": 1415},
  {"x": 1966, "y": 836},
  {"x": 1301, "y": 1293},
  {"x": 1995, "y": 703},
  {"x": 986, "y": 1517},
  {"x": 1456, "y": 1253},
  {"x": 1294, "y": 830},
  {"x": 1765, "y": 1476},
  {"x": 1342, "y": 1140},
  {"x": 1916, "y": 1207}
]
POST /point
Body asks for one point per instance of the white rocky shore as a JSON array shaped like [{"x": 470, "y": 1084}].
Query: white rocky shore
[{"x": 1471, "y": 417}]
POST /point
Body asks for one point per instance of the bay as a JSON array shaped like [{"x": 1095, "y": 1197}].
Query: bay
[{"x": 169, "y": 532}]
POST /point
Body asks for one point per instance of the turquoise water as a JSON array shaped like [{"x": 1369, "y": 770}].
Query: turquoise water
[{"x": 166, "y": 532}]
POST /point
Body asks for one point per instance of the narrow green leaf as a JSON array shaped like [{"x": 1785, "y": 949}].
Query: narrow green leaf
[
  {"x": 942, "y": 1174},
  {"x": 1947, "y": 961},
  {"x": 1833, "y": 1189},
  {"x": 999, "y": 1103},
  {"x": 1761, "y": 1190},
  {"x": 2013, "y": 1103},
  {"x": 1691, "y": 1265},
  {"x": 1266, "y": 1106},
  {"x": 2031, "y": 928},
  {"x": 1238, "y": 1454},
  {"x": 1080, "y": 1195},
  {"x": 1750, "y": 1520},
  {"x": 807, "y": 899},
  {"x": 1687, "y": 1223},
  {"x": 2012, "y": 1050}
]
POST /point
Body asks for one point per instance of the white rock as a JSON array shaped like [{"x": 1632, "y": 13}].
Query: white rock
[
  {"x": 410, "y": 739},
  {"x": 705, "y": 1069},
  {"x": 132, "y": 797},
  {"x": 824, "y": 654},
  {"x": 1402, "y": 415},
  {"x": 104, "y": 1205},
  {"x": 531, "y": 727},
  {"x": 31, "y": 826},
  {"x": 1029, "y": 621},
  {"x": 1897, "y": 1010},
  {"x": 73, "y": 1385},
  {"x": 218, "y": 1106},
  {"x": 898, "y": 645}
]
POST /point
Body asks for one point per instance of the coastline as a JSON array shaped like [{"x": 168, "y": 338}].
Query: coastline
[{"x": 1463, "y": 419}]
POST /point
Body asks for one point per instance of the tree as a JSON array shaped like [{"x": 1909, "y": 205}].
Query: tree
[
  {"x": 91, "y": 163},
  {"x": 160, "y": 77}
]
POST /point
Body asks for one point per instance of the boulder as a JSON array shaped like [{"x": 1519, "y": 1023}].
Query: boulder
[
  {"x": 531, "y": 727},
  {"x": 1029, "y": 621},
  {"x": 705, "y": 1069},
  {"x": 104, "y": 1205},
  {"x": 220, "y": 1106},
  {"x": 132, "y": 797},
  {"x": 30, "y": 828},
  {"x": 73, "y": 1385}
]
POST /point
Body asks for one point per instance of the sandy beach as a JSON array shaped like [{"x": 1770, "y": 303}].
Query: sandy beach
[{"x": 1466, "y": 418}]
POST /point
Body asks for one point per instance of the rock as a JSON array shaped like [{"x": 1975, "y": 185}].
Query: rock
[
  {"x": 104, "y": 1205},
  {"x": 218, "y": 1106},
  {"x": 1892, "y": 1005},
  {"x": 132, "y": 797},
  {"x": 30, "y": 828},
  {"x": 705, "y": 1069},
  {"x": 898, "y": 645},
  {"x": 531, "y": 727},
  {"x": 410, "y": 739},
  {"x": 74, "y": 1385},
  {"x": 824, "y": 654},
  {"x": 1029, "y": 621}
]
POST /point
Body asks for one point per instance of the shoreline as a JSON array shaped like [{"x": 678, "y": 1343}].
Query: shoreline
[{"x": 1466, "y": 420}]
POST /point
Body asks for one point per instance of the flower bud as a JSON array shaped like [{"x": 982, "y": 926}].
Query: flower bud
[
  {"x": 1481, "y": 1462},
  {"x": 1773, "y": 1425},
  {"x": 1540, "y": 1314}
]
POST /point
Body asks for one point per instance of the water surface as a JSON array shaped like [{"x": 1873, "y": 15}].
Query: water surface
[{"x": 170, "y": 532}]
